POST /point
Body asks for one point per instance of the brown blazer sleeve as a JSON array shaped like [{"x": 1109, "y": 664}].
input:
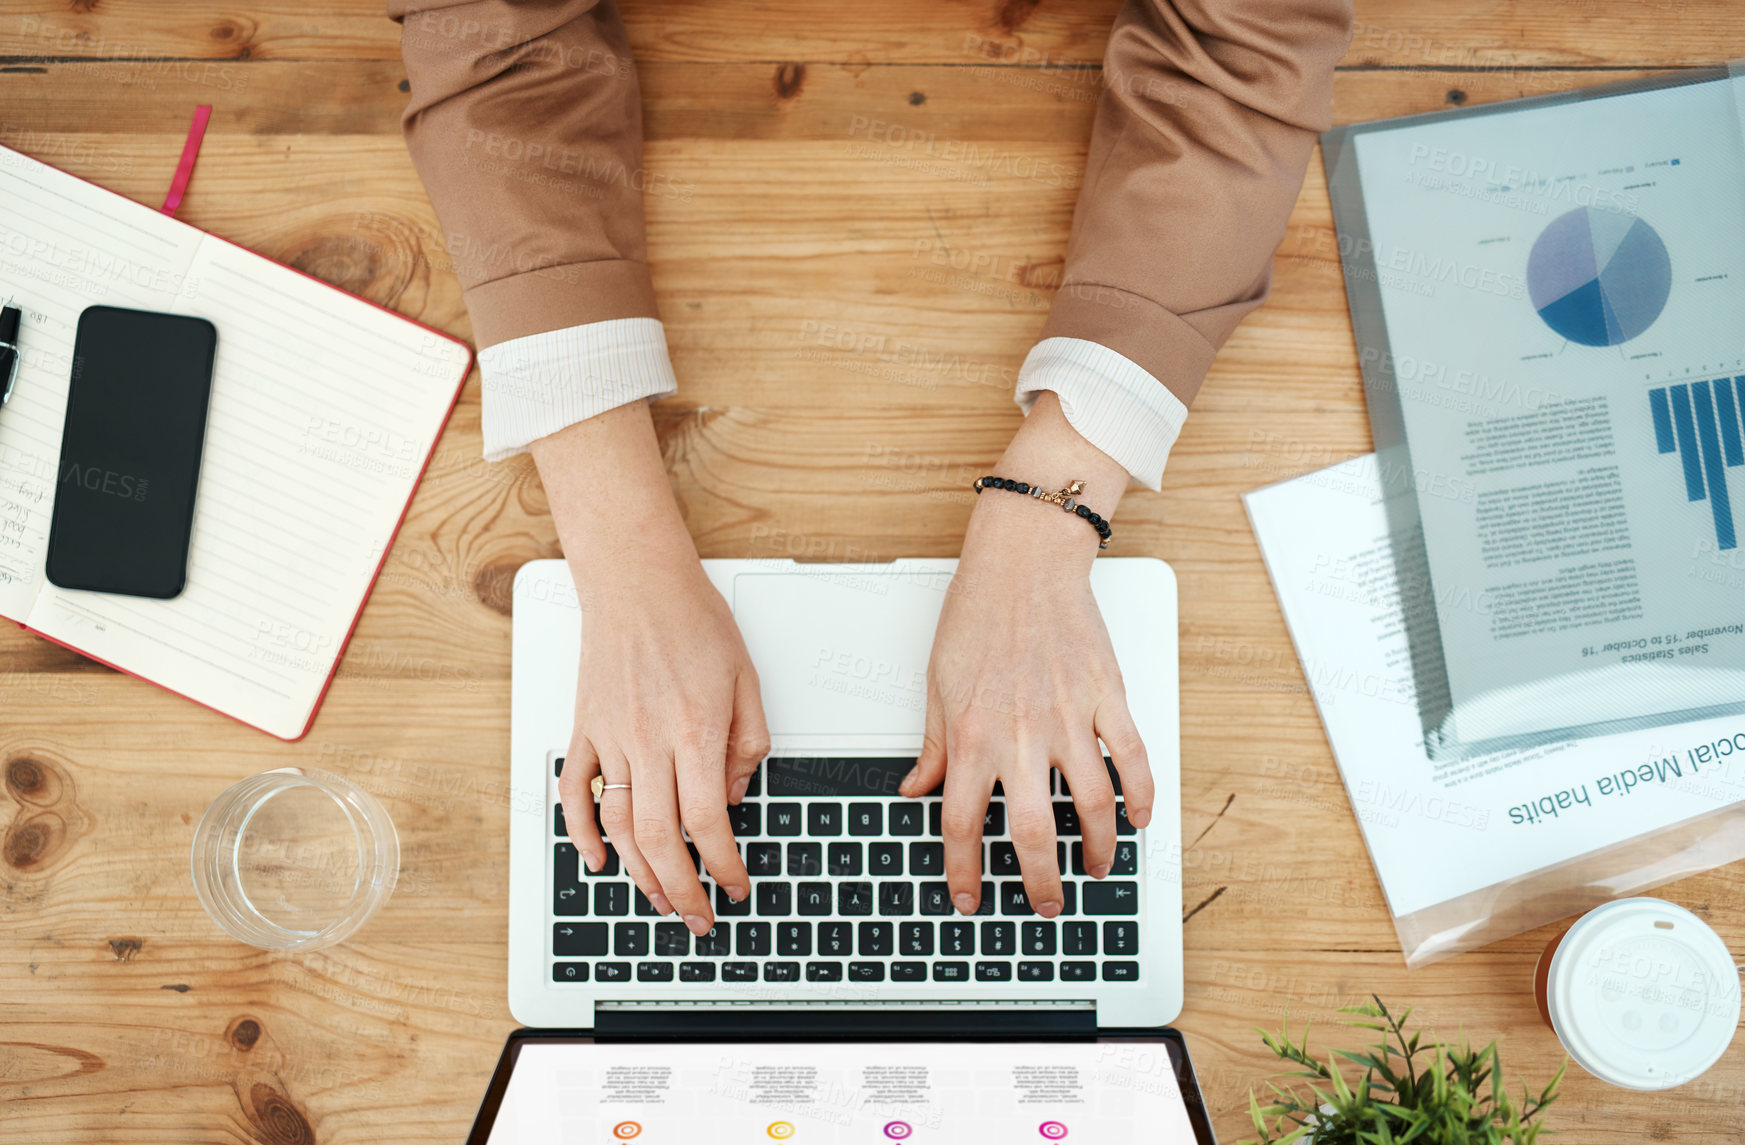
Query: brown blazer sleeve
[
  {"x": 525, "y": 124},
  {"x": 1205, "y": 126}
]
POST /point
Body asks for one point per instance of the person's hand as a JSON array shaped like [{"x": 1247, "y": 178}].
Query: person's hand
[
  {"x": 667, "y": 700},
  {"x": 1023, "y": 677}
]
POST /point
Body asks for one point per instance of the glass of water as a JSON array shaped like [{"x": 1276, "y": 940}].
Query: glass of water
[{"x": 294, "y": 859}]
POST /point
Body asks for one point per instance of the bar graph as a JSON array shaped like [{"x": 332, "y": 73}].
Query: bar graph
[{"x": 1702, "y": 423}]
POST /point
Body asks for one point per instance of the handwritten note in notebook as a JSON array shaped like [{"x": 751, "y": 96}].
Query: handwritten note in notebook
[{"x": 324, "y": 411}]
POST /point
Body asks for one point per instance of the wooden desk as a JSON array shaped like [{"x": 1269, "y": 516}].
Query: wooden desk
[{"x": 839, "y": 390}]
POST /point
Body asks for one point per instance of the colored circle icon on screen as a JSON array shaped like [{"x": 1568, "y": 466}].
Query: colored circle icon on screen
[
  {"x": 899, "y": 1130},
  {"x": 625, "y": 1130},
  {"x": 781, "y": 1130},
  {"x": 1052, "y": 1130},
  {"x": 1597, "y": 277}
]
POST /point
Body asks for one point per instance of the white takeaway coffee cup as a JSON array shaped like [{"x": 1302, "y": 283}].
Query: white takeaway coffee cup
[{"x": 1642, "y": 993}]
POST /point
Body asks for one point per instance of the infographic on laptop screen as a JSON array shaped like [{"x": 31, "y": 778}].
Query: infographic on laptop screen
[
  {"x": 1108, "y": 1093},
  {"x": 1562, "y": 290}
]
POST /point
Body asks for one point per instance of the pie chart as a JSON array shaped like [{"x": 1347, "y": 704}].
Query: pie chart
[{"x": 1598, "y": 277}]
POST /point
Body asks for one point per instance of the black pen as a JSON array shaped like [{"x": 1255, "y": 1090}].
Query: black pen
[{"x": 9, "y": 317}]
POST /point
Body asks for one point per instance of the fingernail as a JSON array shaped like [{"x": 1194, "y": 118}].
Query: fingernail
[
  {"x": 737, "y": 894},
  {"x": 659, "y": 903},
  {"x": 1048, "y": 909},
  {"x": 698, "y": 924},
  {"x": 739, "y": 788},
  {"x": 1139, "y": 818},
  {"x": 965, "y": 903},
  {"x": 1100, "y": 871},
  {"x": 595, "y": 862}
]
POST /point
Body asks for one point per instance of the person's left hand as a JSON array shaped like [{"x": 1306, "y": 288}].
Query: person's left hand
[{"x": 1023, "y": 677}]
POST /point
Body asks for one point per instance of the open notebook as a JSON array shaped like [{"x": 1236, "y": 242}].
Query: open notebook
[{"x": 325, "y": 409}]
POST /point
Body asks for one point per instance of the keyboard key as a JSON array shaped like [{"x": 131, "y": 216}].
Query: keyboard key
[
  {"x": 784, "y": 819},
  {"x": 1111, "y": 898},
  {"x": 1069, "y": 898},
  {"x": 775, "y": 900},
  {"x": 608, "y": 869},
  {"x": 644, "y": 908},
  {"x": 1120, "y": 971},
  {"x": 781, "y": 971},
  {"x": 814, "y": 898},
  {"x": 896, "y": 899},
  {"x": 654, "y": 972},
  {"x": 717, "y": 943},
  {"x": 1126, "y": 858},
  {"x": 1078, "y": 971},
  {"x": 696, "y": 972},
  {"x": 936, "y": 899},
  {"x": 957, "y": 938},
  {"x": 612, "y": 900},
  {"x": 908, "y": 972},
  {"x": 805, "y": 859},
  {"x": 854, "y": 898},
  {"x": 885, "y": 860},
  {"x": 951, "y": 972},
  {"x": 746, "y": 820},
  {"x": 1121, "y": 938},
  {"x": 916, "y": 939},
  {"x": 630, "y": 939},
  {"x": 1078, "y": 938},
  {"x": 875, "y": 939},
  {"x": 985, "y": 905},
  {"x": 794, "y": 939},
  {"x": 999, "y": 939},
  {"x": 763, "y": 860},
  {"x": 1122, "y": 825},
  {"x": 866, "y": 819},
  {"x": 1035, "y": 971},
  {"x": 1014, "y": 899},
  {"x": 578, "y": 939},
  {"x": 696, "y": 858},
  {"x": 558, "y": 826},
  {"x": 1066, "y": 819},
  {"x": 569, "y": 900},
  {"x": 824, "y": 820},
  {"x": 755, "y": 787},
  {"x": 836, "y": 938},
  {"x": 1038, "y": 938},
  {"x": 753, "y": 939},
  {"x": 557, "y": 767},
  {"x": 671, "y": 939},
  {"x": 823, "y": 971},
  {"x": 727, "y": 908},
  {"x": 935, "y": 818},
  {"x": 926, "y": 858},
  {"x": 866, "y": 972},
  {"x": 569, "y": 971},
  {"x": 908, "y": 818},
  {"x": 845, "y": 859},
  {"x": 739, "y": 972},
  {"x": 611, "y": 971},
  {"x": 1003, "y": 861},
  {"x": 993, "y": 972},
  {"x": 994, "y": 822}
]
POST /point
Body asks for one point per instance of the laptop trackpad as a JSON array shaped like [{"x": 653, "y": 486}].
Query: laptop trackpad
[{"x": 841, "y": 653}]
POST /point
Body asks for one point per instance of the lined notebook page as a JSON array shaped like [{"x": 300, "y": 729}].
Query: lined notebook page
[
  {"x": 64, "y": 245},
  {"x": 324, "y": 409}
]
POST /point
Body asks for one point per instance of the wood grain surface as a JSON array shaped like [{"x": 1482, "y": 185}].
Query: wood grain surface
[{"x": 778, "y": 249}]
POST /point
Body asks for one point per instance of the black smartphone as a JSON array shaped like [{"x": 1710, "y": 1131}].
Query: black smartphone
[
  {"x": 130, "y": 452},
  {"x": 1119, "y": 1087}
]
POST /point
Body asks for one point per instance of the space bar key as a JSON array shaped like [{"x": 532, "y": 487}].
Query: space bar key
[{"x": 1110, "y": 898}]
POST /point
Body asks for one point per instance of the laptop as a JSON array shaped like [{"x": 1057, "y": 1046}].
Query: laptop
[{"x": 863, "y": 937}]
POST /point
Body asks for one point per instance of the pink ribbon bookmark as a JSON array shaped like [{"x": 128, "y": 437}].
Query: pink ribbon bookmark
[{"x": 185, "y": 166}]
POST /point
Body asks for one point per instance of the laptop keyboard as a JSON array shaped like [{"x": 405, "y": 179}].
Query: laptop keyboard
[{"x": 848, "y": 886}]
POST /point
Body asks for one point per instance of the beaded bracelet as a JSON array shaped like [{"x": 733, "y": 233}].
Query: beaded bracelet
[{"x": 1062, "y": 497}]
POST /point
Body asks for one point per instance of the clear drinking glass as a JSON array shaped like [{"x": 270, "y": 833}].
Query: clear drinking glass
[{"x": 294, "y": 859}]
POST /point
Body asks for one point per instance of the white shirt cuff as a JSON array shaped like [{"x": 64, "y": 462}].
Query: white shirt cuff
[
  {"x": 1114, "y": 403},
  {"x": 542, "y": 383}
]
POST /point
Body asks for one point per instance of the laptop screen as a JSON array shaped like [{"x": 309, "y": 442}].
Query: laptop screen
[{"x": 575, "y": 1092}]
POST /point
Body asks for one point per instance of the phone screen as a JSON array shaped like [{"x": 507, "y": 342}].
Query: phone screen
[
  {"x": 130, "y": 452},
  {"x": 1111, "y": 1092}
]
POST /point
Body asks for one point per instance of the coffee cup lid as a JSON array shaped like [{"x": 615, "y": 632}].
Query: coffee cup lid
[{"x": 1643, "y": 994}]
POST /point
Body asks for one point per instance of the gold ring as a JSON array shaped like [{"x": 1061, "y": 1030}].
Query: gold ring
[{"x": 599, "y": 786}]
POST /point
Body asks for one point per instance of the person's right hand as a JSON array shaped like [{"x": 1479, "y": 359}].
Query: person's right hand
[{"x": 667, "y": 700}]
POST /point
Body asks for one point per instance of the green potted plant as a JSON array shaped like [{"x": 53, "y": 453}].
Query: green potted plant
[{"x": 1437, "y": 1095}]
